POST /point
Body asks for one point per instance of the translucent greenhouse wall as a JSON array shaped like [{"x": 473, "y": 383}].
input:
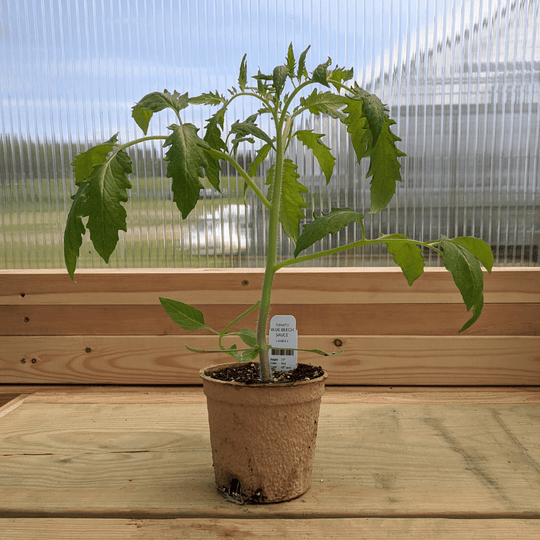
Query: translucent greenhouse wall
[{"x": 462, "y": 80}]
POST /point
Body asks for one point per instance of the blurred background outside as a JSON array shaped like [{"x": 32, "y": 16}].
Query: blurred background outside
[{"x": 461, "y": 78}]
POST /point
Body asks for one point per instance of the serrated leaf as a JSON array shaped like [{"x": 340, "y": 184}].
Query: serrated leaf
[
  {"x": 156, "y": 102},
  {"x": 208, "y": 98},
  {"x": 479, "y": 249},
  {"x": 302, "y": 71},
  {"x": 320, "y": 75},
  {"x": 75, "y": 229},
  {"x": 279, "y": 76},
  {"x": 247, "y": 128},
  {"x": 184, "y": 315},
  {"x": 320, "y": 151},
  {"x": 329, "y": 223},
  {"x": 340, "y": 75},
  {"x": 465, "y": 269},
  {"x": 407, "y": 255},
  {"x": 186, "y": 159},
  {"x": 292, "y": 202},
  {"x": 212, "y": 135},
  {"x": 384, "y": 168},
  {"x": 373, "y": 109},
  {"x": 107, "y": 189},
  {"x": 290, "y": 60},
  {"x": 325, "y": 103},
  {"x": 242, "y": 76},
  {"x": 262, "y": 153},
  {"x": 83, "y": 164},
  {"x": 358, "y": 128}
]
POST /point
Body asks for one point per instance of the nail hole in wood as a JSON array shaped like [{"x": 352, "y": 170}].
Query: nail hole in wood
[
  {"x": 26, "y": 319},
  {"x": 338, "y": 342},
  {"x": 245, "y": 282},
  {"x": 88, "y": 349}
]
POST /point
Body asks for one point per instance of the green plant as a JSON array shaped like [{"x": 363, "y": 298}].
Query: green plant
[{"x": 101, "y": 174}]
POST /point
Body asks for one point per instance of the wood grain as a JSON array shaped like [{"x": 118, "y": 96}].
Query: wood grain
[
  {"x": 373, "y": 460},
  {"x": 254, "y": 529},
  {"x": 242, "y": 286},
  {"x": 344, "y": 319},
  {"x": 367, "y": 360}
]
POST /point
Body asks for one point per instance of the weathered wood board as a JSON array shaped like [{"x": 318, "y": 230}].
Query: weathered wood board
[
  {"x": 263, "y": 529},
  {"x": 149, "y": 457}
]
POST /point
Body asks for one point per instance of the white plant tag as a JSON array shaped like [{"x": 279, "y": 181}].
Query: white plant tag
[{"x": 283, "y": 335}]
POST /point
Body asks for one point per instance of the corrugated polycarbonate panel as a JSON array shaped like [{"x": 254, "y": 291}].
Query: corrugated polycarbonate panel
[{"x": 462, "y": 80}]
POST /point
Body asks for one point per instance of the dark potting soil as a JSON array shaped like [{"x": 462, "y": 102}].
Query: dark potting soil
[{"x": 249, "y": 374}]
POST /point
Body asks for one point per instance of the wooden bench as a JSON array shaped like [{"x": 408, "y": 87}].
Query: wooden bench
[{"x": 424, "y": 433}]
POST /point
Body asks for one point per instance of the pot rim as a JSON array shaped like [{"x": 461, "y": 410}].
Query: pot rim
[{"x": 205, "y": 377}]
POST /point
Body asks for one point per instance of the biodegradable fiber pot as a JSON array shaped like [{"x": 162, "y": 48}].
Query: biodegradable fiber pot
[{"x": 262, "y": 436}]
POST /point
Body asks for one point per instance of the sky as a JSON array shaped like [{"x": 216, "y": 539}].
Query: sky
[{"x": 73, "y": 67}]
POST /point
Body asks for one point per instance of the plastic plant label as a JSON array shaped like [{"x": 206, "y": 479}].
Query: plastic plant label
[{"x": 282, "y": 336}]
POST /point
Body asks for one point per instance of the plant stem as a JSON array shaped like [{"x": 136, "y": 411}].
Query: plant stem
[
  {"x": 346, "y": 247},
  {"x": 273, "y": 230}
]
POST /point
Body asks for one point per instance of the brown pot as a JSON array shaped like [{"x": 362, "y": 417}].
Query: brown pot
[{"x": 262, "y": 436}]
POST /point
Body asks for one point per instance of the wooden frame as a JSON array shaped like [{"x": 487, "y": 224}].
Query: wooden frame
[{"x": 109, "y": 328}]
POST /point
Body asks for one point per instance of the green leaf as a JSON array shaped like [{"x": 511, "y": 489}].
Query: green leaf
[
  {"x": 75, "y": 229},
  {"x": 249, "y": 337},
  {"x": 477, "y": 311},
  {"x": 209, "y": 98},
  {"x": 107, "y": 189},
  {"x": 358, "y": 127},
  {"x": 302, "y": 71},
  {"x": 279, "y": 77},
  {"x": 247, "y": 128},
  {"x": 186, "y": 158},
  {"x": 329, "y": 223},
  {"x": 479, "y": 249},
  {"x": 373, "y": 109},
  {"x": 83, "y": 164},
  {"x": 320, "y": 151},
  {"x": 325, "y": 103},
  {"x": 407, "y": 255},
  {"x": 292, "y": 202},
  {"x": 250, "y": 354},
  {"x": 155, "y": 102},
  {"x": 384, "y": 168},
  {"x": 465, "y": 269},
  {"x": 340, "y": 75},
  {"x": 291, "y": 62},
  {"x": 320, "y": 75},
  {"x": 184, "y": 315},
  {"x": 262, "y": 153},
  {"x": 242, "y": 77},
  {"x": 142, "y": 117}
]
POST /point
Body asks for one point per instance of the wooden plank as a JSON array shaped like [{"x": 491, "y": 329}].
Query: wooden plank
[
  {"x": 373, "y": 461},
  {"x": 280, "y": 529},
  {"x": 333, "y": 394},
  {"x": 368, "y": 360},
  {"x": 242, "y": 286},
  {"x": 339, "y": 319}
]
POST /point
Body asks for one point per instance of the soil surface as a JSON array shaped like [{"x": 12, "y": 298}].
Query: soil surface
[{"x": 249, "y": 374}]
